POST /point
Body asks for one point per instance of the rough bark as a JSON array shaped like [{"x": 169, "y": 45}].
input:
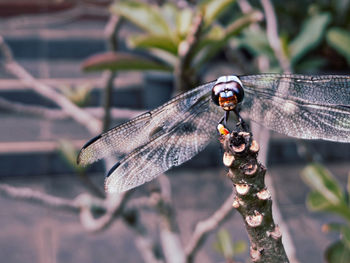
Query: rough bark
[{"x": 252, "y": 199}]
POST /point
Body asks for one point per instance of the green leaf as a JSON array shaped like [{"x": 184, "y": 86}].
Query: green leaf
[
  {"x": 310, "y": 36},
  {"x": 170, "y": 12},
  {"x": 317, "y": 202},
  {"x": 213, "y": 8},
  {"x": 339, "y": 39},
  {"x": 217, "y": 37},
  {"x": 146, "y": 16},
  {"x": 338, "y": 252},
  {"x": 153, "y": 41},
  {"x": 343, "y": 229},
  {"x": 256, "y": 42},
  {"x": 183, "y": 22},
  {"x": 327, "y": 194},
  {"x": 122, "y": 61},
  {"x": 320, "y": 179}
]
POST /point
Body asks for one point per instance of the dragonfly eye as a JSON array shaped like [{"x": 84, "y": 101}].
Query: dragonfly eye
[{"x": 227, "y": 94}]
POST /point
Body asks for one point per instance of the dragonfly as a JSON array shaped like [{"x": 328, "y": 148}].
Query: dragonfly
[{"x": 301, "y": 106}]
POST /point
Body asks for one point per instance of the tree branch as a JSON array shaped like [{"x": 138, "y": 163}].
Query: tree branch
[
  {"x": 183, "y": 76},
  {"x": 79, "y": 115},
  {"x": 253, "y": 200},
  {"x": 28, "y": 194},
  {"x": 58, "y": 114},
  {"x": 272, "y": 35},
  {"x": 169, "y": 231},
  {"x": 108, "y": 76},
  {"x": 114, "y": 205}
]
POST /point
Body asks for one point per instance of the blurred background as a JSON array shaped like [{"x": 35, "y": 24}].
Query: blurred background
[{"x": 70, "y": 69}]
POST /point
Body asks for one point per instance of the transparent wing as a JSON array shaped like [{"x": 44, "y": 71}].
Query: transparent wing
[
  {"x": 321, "y": 90},
  {"x": 183, "y": 141},
  {"x": 300, "y": 106},
  {"x": 139, "y": 131}
]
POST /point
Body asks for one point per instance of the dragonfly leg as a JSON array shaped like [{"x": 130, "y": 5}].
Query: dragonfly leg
[
  {"x": 241, "y": 122},
  {"x": 224, "y": 118}
]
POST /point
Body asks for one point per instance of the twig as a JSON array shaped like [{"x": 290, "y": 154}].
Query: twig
[
  {"x": 108, "y": 76},
  {"x": 183, "y": 76},
  {"x": 28, "y": 194},
  {"x": 262, "y": 60},
  {"x": 25, "y": 109},
  {"x": 143, "y": 242},
  {"x": 92, "y": 124},
  {"x": 84, "y": 204},
  {"x": 88, "y": 206},
  {"x": 53, "y": 19},
  {"x": 145, "y": 246},
  {"x": 79, "y": 115},
  {"x": 203, "y": 228},
  {"x": 253, "y": 200},
  {"x": 169, "y": 231},
  {"x": 114, "y": 205},
  {"x": 272, "y": 35},
  {"x": 6, "y": 51},
  {"x": 58, "y": 114}
]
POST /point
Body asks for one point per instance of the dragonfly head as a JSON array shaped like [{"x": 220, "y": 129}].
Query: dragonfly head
[{"x": 227, "y": 92}]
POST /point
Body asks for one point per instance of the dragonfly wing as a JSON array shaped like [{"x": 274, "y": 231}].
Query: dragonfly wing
[
  {"x": 139, "y": 131},
  {"x": 296, "y": 118},
  {"x": 322, "y": 90},
  {"x": 184, "y": 140}
]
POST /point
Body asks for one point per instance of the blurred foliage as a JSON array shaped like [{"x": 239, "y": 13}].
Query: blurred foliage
[
  {"x": 314, "y": 38},
  {"x": 327, "y": 195},
  {"x": 306, "y": 30},
  {"x": 339, "y": 39},
  {"x": 310, "y": 36},
  {"x": 166, "y": 33},
  {"x": 224, "y": 246}
]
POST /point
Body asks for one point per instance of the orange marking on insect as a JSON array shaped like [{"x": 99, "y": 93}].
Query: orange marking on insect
[
  {"x": 222, "y": 129},
  {"x": 228, "y": 103}
]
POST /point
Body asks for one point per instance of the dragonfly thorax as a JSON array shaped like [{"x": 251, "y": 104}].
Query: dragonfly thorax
[{"x": 227, "y": 92}]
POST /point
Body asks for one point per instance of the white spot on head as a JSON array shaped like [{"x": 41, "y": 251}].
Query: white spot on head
[
  {"x": 217, "y": 89},
  {"x": 224, "y": 79}
]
